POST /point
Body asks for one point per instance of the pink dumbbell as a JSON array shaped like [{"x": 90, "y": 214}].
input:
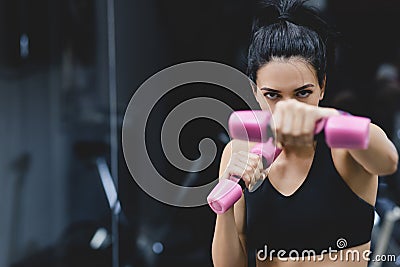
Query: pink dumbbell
[
  {"x": 228, "y": 191},
  {"x": 343, "y": 131}
]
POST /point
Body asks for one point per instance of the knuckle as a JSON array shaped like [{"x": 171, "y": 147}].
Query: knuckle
[
  {"x": 308, "y": 109},
  {"x": 285, "y": 131},
  {"x": 231, "y": 163},
  {"x": 254, "y": 156},
  {"x": 297, "y": 133},
  {"x": 231, "y": 168},
  {"x": 280, "y": 106},
  {"x": 296, "y": 104},
  {"x": 293, "y": 103},
  {"x": 254, "y": 164}
]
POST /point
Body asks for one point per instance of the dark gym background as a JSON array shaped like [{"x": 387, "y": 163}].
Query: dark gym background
[{"x": 55, "y": 118}]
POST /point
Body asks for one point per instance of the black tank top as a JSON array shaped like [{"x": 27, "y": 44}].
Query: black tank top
[{"x": 323, "y": 213}]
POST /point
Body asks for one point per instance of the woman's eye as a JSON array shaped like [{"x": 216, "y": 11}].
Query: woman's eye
[
  {"x": 271, "y": 96},
  {"x": 304, "y": 93}
]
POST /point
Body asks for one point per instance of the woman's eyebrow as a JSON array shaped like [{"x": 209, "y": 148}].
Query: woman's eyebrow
[{"x": 295, "y": 90}]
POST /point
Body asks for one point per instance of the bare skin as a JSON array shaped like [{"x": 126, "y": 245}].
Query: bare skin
[{"x": 290, "y": 88}]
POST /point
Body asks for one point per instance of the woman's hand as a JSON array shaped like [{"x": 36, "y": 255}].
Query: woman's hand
[
  {"x": 247, "y": 166},
  {"x": 294, "y": 122}
]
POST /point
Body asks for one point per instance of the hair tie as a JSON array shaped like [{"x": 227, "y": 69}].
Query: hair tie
[{"x": 284, "y": 17}]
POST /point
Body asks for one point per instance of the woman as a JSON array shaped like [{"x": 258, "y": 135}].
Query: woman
[{"x": 316, "y": 205}]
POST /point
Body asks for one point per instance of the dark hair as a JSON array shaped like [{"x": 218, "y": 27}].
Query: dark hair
[{"x": 286, "y": 29}]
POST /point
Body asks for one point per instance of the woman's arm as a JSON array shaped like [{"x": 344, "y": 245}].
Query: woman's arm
[
  {"x": 228, "y": 247},
  {"x": 381, "y": 157}
]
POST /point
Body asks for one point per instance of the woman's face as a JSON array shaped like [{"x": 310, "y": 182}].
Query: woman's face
[{"x": 287, "y": 79}]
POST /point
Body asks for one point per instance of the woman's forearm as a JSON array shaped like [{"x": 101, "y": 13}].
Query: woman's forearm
[
  {"x": 227, "y": 250},
  {"x": 381, "y": 157}
]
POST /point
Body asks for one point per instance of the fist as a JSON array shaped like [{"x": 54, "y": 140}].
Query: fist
[
  {"x": 247, "y": 166},
  {"x": 294, "y": 122}
]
